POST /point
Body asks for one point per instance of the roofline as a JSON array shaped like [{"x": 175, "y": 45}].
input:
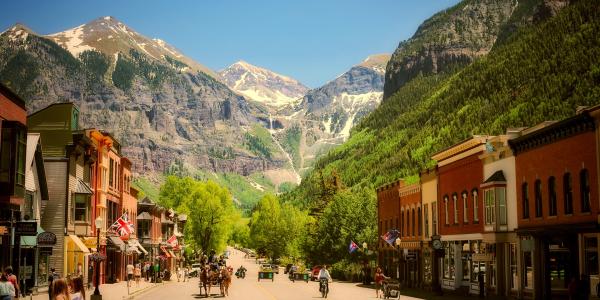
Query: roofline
[
  {"x": 481, "y": 139},
  {"x": 51, "y": 105},
  {"x": 12, "y": 96}
]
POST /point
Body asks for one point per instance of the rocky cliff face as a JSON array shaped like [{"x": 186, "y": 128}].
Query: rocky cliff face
[
  {"x": 262, "y": 85},
  {"x": 160, "y": 105},
  {"x": 451, "y": 38}
]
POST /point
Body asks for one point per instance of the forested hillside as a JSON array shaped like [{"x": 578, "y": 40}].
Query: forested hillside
[{"x": 541, "y": 72}]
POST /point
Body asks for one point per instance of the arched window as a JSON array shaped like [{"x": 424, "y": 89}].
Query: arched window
[
  {"x": 538, "y": 198},
  {"x": 413, "y": 222},
  {"x": 475, "y": 206},
  {"x": 552, "y": 196},
  {"x": 465, "y": 207},
  {"x": 584, "y": 187},
  {"x": 446, "y": 210},
  {"x": 419, "y": 220},
  {"x": 525, "y": 200},
  {"x": 402, "y": 223},
  {"x": 568, "y": 193},
  {"x": 455, "y": 203}
]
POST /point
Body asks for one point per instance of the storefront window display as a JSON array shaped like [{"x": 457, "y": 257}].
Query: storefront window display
[
  {"x": 466, "y": 260},
  {"x": 591, "y": 255},
  {"x": 558, "y": 265},
  {"x": 513, "y": 266},
  {"x": 476, "y": 266},
  {"x": 528, "y": 269},
  {"x": 449, "y": 260},
  {"x": 427, "y": 271}
]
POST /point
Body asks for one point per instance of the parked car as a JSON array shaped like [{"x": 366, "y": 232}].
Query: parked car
[
  {"x": 275, "y": 268},
  {"x": 195, "y": 270},
  {"x": 314, "y": 273},
  {"x": 266, "y": 268}
]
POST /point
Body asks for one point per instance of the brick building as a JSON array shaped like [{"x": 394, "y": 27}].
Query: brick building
[
  {"x": 410, "y": 235},
  {"x": 388, "y": 215},
  {"x": 460, "y": 173},
  {"x": 557, "y": 190}
]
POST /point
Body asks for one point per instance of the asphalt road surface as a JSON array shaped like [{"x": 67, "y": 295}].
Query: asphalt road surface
[{"x": 250, "y": 288}]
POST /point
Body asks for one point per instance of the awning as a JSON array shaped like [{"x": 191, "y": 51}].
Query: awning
[
  {"x": 144, "y": 216},
  {"x": 79, "y": 244},
  {"x": 136, "y": 244},
  {"x": 116, "y": 241},
  {"x": 167, "y": 254},
  {"x": 172, "y": 254},
  {"x": 83, "y": 188},
  {"x": 28, "y": 241}
]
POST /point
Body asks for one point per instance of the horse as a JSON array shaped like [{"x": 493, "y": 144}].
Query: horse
[
  {"x": 204, "y": 280},
  {"x": 225, "y": 278}
]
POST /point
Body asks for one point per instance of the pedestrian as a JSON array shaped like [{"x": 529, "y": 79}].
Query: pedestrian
[
  {"x": 51, "y": 277},
  {"x": 379, "y": 277},
  {"x": 7, "y": 290},
  {"x": 481, "y": 280},
  {"x": 77, "y": 290},
  {"x": 60, "y": 290},
  {"x": 137, "y": 273},
  {"x": 130, "y": 269},
  {"x": 178, "y": 272},
  {"x": 12, "y": 278},
  {"x": 186, "y": 271},
  {"x": 147, "y": 270}
]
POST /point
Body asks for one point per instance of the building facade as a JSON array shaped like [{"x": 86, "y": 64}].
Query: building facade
[
  {"x": 557, "y": 211},
  {"x": 411, "y": 231},
  {"x": 460, "y": 173},
  {"x": 388, "y": 214},
  {"x": 429, "y": 197}
]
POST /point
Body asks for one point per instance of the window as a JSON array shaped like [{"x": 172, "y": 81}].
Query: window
[
  {"x": 475, "y": 207},
  {"x": 446, "y": 210},
  {"x": 525, "y": 198},
  {"x": 528, "y": 269},
  {"x": 489, "y": 202},
  {"x": 111, "y": 172},
  {"x": 448, "y": 260},
  {"x": 80, "y": 208},
  {"x": 434, "y": 218},
  {"x": 419, "y": 221},
  {"x": 27, "y": 211},
  {"x": 501, "y": 200},
  {"x": 413, "y": 222},
  {"x": 591, "y": 255},
  {"x": 538, "y": 198},
  {"x": 402, "y": 223},
  {"x": 465, "y": 207},
  {"x": 568, "y": 193},
  {"x": 455, "y": 202},
  {"x": 584, "y": 186},
  {"x": 13, "y": 142},
  {"x": 426, "y": 215},
  {"x": 552, "y": 196},
  {"x": 514, "y": 280}
]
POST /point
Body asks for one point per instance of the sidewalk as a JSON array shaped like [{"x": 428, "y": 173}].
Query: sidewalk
[{"x": 115, "y": 290}]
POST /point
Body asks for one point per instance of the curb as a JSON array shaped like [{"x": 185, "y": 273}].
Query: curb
[{"x": 141, "y": 291}]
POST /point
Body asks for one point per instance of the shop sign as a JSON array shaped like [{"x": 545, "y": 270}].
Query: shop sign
[
  {"x": 26, "y": 228},
  {"x": 46, "y": 239},
  {"x": 482, "y": 257}
]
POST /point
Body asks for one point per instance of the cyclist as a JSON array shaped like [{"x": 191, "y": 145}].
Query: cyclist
[{"x": 324, "y": 279}]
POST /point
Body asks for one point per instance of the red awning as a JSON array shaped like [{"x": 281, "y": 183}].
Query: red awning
[{"x": 164, "y": 250}]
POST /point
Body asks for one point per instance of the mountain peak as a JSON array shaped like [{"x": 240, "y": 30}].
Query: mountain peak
[
  {"x": 18, "y": 32},
  {"x": 376, "y": 62},
  {"x": 262, "y": 85}
]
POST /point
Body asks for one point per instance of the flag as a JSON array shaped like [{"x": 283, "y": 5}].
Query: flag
[
  {"x": 391, "y": 236},
  {"x": 122, "y": 226},
  {"x": 173, "y": 240},
  {"x": 353, "y": 247}
]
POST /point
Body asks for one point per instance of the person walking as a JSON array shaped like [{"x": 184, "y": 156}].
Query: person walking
[
  {"x": 12, "y": 278},
  {"x": 77, "y": 289},
  {"x": 7, "y": 290},
  {"x": 379, "y": 277},
  {"x": 60, "y": 290},
  {"x": 147, "y": 270},
  {"x": 137, "y": 273},
  {"x": 130, "y": 269},
  {"x": 51, "y": 277}
]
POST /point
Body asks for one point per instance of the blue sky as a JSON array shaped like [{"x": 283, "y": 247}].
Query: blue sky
[{"x": 310, "y": 40}]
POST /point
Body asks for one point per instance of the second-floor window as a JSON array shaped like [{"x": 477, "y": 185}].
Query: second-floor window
[
  {"x": 525, "y": 200},
  {"x": 426, "y": 215},
  {"x": 111, "y": 172},
  {"x": 501, "y": 201},
  {"x": 584, "y": 184},
  {"x": 475, "y": 207},
  {"x": 489, "y": 202},
  {"x": 144, "y": 228},
  {"x": 80, "y": 207},
  {"x": 465, "y": 207},
  {"x": 419, "y": 221},
  {"x": 552, "y": 196},
  {"x": 434, "y": 218},
  {"x": 568, "y": 193},
  {"x": 538, "y": 198},
  {"x": 446, "y": 210},
  {"x": 455, "y": 203}
]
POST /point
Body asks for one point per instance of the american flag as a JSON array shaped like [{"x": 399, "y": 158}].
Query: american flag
[{"x": 122, "y": 226}]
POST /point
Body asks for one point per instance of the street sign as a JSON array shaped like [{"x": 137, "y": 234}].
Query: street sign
[
  {"x": 46, "y": 239},
  {"x": 26, "y": 228}
]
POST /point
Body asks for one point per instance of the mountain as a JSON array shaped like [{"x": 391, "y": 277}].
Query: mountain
[
  {"x": 262, "y": 85},
  {"x": 166, "y": 109},
  {"x": 543, "y": 70}
]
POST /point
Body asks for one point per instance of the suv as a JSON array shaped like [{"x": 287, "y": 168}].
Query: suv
[{"x": 314, "y": 273}]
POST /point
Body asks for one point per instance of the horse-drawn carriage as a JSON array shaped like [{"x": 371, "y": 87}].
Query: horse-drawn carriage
[{"x": 215, "y": 276}]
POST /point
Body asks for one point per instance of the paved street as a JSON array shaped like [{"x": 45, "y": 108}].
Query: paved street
[{"x": 250, "y": 288}]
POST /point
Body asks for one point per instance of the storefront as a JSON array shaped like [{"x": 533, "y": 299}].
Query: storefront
[
  {"x": 114, "y": 259},
  {"x": 76, "y": 256}
]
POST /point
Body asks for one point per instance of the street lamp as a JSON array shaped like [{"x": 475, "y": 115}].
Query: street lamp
[
  {"x": 397, "y": 242},
  {"x": 98, "y": 222}
]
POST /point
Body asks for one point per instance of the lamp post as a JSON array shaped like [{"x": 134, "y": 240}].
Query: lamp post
[
  {"x": 397, "y": 242},
  {"x": 98, "y": 222}
]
